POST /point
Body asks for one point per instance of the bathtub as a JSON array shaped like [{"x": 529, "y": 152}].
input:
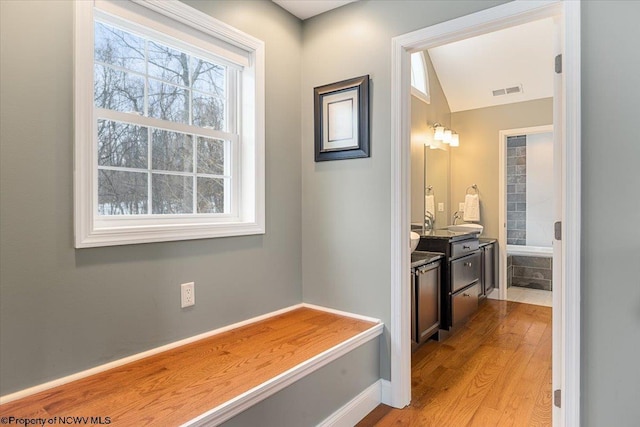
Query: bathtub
[
  {"x": 530, "y": 267},
  {"x": 541, "y": 251}
]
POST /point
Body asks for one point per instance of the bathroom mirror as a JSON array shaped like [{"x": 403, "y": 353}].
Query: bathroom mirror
[
  {"x": 429, "y": 167},
  {"x": 436, "y": 167}
]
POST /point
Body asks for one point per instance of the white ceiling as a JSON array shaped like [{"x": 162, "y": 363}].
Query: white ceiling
[
  {"x": 469, "y": 70},
  {"x": 304, "y": 9}
]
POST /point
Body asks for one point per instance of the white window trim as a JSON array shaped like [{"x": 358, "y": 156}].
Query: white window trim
[{"x": 250, "y": 219}]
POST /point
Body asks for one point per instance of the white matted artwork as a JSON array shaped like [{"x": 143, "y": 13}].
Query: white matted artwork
[{"x": 342, "y": 120}]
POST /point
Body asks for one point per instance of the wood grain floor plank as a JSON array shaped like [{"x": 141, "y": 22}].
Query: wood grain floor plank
[{"x": 495, "y": 371}]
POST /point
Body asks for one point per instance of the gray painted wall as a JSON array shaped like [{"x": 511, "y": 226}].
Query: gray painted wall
[
  {"x": 64, "y": 310},
  {"x": 610, "y": 298}
]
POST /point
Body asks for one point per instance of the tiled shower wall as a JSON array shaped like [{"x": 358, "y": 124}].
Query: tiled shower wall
[{"x": 517, "y": 190}]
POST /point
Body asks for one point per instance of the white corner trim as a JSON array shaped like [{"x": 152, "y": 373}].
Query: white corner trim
[
  {"x": 120, "y": 362},
  {"x": 357, "y": 408},
  {"x": 400, "y": 225},
  {"x": 235, "y": 406},
  {"x": 385, "y": 392}
]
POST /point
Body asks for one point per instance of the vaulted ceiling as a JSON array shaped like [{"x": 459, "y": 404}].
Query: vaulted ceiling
[{"x": 471, "y": 69}]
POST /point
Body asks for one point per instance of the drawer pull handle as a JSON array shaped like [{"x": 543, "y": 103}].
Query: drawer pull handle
[
  {"x": 466, "y": 295},
  {"x": 467, "y": 264},
  {"x": 466, "y": 247}
]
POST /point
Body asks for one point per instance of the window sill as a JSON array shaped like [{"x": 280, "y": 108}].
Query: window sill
[{"x": 151, "y": 234}]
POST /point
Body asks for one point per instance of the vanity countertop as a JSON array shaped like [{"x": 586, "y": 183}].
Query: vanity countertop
[
  {"x": 446, "y": 234},
  {"x": 419, "y": 258},
  {"x": 484, "y": 241}
]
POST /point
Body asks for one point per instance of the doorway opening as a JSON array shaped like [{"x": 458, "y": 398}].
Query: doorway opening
[
  {"x": 567, "y": 127},
  {"x": 527, "y": 214}
]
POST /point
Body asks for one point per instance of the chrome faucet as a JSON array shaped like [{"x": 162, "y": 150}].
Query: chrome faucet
[
  {"x": 429, "y": 221},
  {"x": 456, "y": 216}
]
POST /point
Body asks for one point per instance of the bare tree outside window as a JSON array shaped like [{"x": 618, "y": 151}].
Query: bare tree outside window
[{"x": 150, "y": 170}]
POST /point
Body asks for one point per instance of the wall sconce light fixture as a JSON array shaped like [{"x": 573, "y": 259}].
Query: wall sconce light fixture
[{"x": 443, "y": 135}]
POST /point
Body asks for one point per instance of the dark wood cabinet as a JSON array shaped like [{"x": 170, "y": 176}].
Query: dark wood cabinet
[
  {"x": 426, "y": 301},
  {"x": 461, "y": 277},
  {"x": 489, "y": 268}
]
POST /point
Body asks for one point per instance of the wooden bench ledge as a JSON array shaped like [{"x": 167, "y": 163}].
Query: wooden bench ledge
[{"x": 207, "y": 381}]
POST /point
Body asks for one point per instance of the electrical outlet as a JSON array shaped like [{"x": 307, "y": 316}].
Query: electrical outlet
[
  {"x": 440, "y": 207},
  {"x": 461, "y": 206},
  {"x": 187, "y": 294}
]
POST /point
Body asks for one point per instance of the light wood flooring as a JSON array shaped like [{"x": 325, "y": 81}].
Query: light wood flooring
[
  {"x": 494, "y": 372},
  {"x": 175, "y": 386}
]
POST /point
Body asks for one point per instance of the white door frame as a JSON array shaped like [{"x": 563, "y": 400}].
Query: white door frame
[
  {"x": 567, "y": 325},
  {"x": 502, "y": 199}
]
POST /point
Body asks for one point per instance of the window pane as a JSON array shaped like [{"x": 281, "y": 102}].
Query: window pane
[
  {"x": 117, "y": 47},
  {"x": 168, "y": 102},
  {"x": 172, "y": 194},
  {"x": 172, "y": 151},
  {"x": 210, "y": 195},
  {"x": 122, "y": 144},
  {"x": 208, "y": 111},
  {"x": 118, "y": 90},
  {"x": 208, "y": 77},
  {"x": 168, "y": 64},
  {"x": 122, "y": 193},
  {"x": 211, "y": 156}
]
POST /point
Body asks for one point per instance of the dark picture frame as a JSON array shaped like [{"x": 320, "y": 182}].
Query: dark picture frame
[{"x": 341, "y": 119}]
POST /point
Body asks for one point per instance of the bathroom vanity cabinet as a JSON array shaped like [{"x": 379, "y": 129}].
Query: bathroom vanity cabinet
[{"x": 461, "y": 272}]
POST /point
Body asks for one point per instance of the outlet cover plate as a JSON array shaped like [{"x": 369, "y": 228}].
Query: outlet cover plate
[{"x": 187, "y": 294}]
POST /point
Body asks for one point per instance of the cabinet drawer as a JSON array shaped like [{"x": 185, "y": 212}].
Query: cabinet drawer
[
  {"x": 465, "y": 271},
  {"x": 464, "y": 304},
  {"x": 464, "y": 247}
]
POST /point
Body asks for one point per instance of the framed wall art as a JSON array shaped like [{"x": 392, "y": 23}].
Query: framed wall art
[{"x": 341, "y": 122}]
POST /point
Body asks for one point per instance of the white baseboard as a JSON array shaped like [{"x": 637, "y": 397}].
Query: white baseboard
[
  {"x": 340, "y": 312},
  {"x": 357, "y": 408}
]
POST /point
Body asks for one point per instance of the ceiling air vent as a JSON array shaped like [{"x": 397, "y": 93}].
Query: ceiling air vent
[{"x": 508, "y": 90}]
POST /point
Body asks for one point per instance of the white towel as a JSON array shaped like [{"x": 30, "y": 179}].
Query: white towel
[
  {"x": 471, "y": 208},
  {"x": 430, "y": 205}
]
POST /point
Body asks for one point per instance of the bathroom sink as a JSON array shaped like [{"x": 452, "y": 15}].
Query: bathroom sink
[
  {"x": 415, "y": 239},
  {"x": 466, "y": 228}
]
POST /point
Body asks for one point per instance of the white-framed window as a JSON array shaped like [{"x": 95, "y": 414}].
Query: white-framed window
[
  {"x": 420, "y": 77},
  {"x": 169, "y": 125}
]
